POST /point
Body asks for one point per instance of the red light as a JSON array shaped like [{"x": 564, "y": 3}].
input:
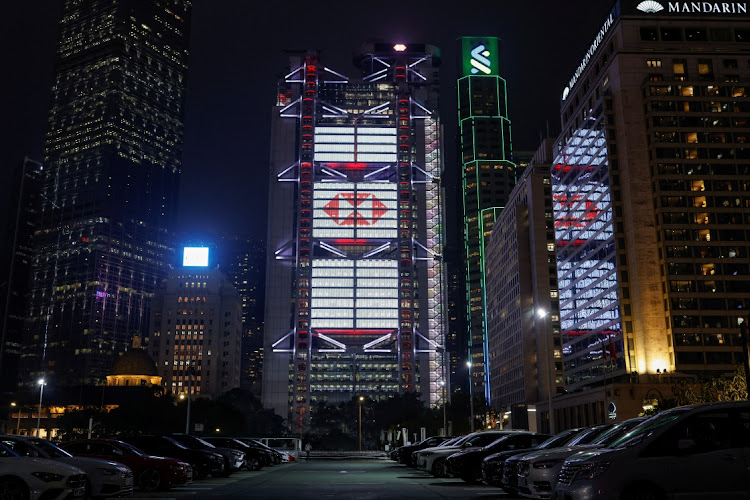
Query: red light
[{"x": 351, "y": 331}]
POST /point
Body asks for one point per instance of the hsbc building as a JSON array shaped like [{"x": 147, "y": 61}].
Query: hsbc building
[{"x": 355, "y": 288}]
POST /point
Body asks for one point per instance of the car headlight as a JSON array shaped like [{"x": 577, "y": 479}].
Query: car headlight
[
  {"x": 107, "y": 472},
  {"x": 176, "y": 467},
  {"x": 590, "y": 470},
  {"x": 547, "y": 464},
  {"x": 48, "y": 477}
]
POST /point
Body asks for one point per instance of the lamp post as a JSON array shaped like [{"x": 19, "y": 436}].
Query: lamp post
[
  {"x": 361, "y": 399},
  {"x": 542, "y": 314},
  {"x": 471, "y": 396},
  {"x": 18, "y": 420},
  {"x": 41, "y": 383},
  {"x": 190, "y": 373}
]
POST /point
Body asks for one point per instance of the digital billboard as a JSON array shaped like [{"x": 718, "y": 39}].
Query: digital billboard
[
  {"x": 195, "y": 257},
  {"x": 355, "y": 210},
  {"x": 351, "y": 294}
]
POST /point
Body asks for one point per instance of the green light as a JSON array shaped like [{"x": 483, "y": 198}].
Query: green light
[{"x": 479, "y": 56}]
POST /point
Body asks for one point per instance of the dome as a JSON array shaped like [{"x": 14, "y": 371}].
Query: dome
[{"x": 135, "y": 362}]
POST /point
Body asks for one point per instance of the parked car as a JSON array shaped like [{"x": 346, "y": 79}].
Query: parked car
[
  {"x": 698, "y": 451},
  {"x": 203, "y": 462},
  {"x": 234, "y": 460},
  {"x": 105, "y": 478},
  {"x": 278, "y": 457},
  {"x": 538, "y": 470},
  {"x": 494, "y": 465},
  {"x": 403, "y": 453},
  {"x": 38, "y": 478},
  {"x": 467, "y": 464},
  {"x": 433, "y": 459},
  {"x": 413, "y": 461},
  {"x": 255, "y": 458},
  {"x": 151, "y": 472}
]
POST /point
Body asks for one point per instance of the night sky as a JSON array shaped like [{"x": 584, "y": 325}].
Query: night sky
[{"x": 237, "y": 56}]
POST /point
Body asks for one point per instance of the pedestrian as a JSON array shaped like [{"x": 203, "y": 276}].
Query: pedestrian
[{"x": 308, "y": 449}]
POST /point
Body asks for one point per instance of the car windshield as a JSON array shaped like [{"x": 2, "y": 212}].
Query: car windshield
[
  {"x": 483, "y": 439},
  {"x": 645, "y": 429},
  {"x": 7, "y": 452},
  {"x": 587, "y": 436},
  {"x": 174, "y": 442},
  {"x": 450, "y": 442},
  {"x": 559, "y": 440},
  {"x": 50, "y": 449},
  {"x": 617, "y": 431},
  {"x": 130, "y": 448},
  {"x": 192, "y": 441}
]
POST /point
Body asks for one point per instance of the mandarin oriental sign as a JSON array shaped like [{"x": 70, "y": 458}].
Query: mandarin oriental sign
[
  {"x": 708, "y": 7},
  {"x": 590, "y": 53}
]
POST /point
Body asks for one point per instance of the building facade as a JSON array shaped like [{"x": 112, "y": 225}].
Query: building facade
[
  {"x": 650, "y": 186},
  {"x": 112, "y": 164},
  {"x": 523, "y": 316},
  {"x": 488, "y": 175},
  {"x": 17, "y": 256},
  {"x": 244, "y": 263},
  {"x": 355, "y": 288},
  {"x": 196, "y": 331}
]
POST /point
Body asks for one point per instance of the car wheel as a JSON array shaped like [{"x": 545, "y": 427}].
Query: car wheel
[
  {"x": 13, "y": 489},
  {"x": 642, "y": 492},
  {"x": 437, "y": 467},
  {"x": 252, "y": 464},
  {"x": 469, "y": 477},
  {"x": 149, "y": 479}
]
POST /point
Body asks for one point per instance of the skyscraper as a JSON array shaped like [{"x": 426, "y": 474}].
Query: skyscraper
[
  {"x": 355, "y": 288},
  {"x": 650, "y": 184},
  {"x": 488, "y": 175},
  {"x": 196, "y": 328},
  {"x": 112, "y": 165}
]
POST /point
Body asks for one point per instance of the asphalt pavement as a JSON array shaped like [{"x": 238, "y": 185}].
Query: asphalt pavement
[{"x": 345, "y": 479}]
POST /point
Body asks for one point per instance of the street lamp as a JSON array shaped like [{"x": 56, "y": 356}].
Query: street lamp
[
  {"x": 41, "y": 383},
  {"x": 543, "y": 316},
  {"x": 361, "y": 399},
  {"x": 190, "y": 373},
  {"x": 471, "y": 396}
]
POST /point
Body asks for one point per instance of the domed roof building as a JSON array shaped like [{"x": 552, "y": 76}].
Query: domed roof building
[{"x": 134, "y": 368}]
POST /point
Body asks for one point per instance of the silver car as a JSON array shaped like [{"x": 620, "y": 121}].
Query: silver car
[
  {"x": 538, "y": 471},
  {"x": 699, "y": 451},
  {"x": 105, "y": 478}
]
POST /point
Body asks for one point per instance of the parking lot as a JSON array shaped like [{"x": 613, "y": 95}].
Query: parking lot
[{"x": 345, "y": 478}]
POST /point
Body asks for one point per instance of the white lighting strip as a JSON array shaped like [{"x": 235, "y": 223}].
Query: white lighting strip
[
  {"x": 282, "y": 339},
  {"x": 377, "y": 341},
  {"x": 334, "y": 342},
  {"x": 331, "y": 249},
  {"x": 375, "y": 251}
]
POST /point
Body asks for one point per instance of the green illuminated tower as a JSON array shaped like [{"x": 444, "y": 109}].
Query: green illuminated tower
[{"x": 488, "y": 176}]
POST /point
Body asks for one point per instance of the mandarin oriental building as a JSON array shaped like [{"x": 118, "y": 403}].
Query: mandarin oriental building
[
  {"x": 355, "y": 293},
  {"x": 652, "y": 206}
]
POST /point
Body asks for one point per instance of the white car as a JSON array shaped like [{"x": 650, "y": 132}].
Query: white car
[
  {"x": 699, "y": 451},
  {"x": 38, "y": 478},
  {"x": 105, "y": 478}
]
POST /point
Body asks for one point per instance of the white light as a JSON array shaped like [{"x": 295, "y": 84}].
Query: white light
[
  {"x": 41, "y": 381},
  {"x": 468, "y": 364},
  {"x": 650, "y": 6},
  {"x": 195, "y": 257},
  {"x": 541, "y": 313},
  {"x": 399, "y": 47}
]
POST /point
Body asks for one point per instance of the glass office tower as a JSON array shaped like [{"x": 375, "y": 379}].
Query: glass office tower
[
  {"x": 488, "y": 175},
  {"x": 112, "y": 165},
  {"x": 355, "y": 289}
]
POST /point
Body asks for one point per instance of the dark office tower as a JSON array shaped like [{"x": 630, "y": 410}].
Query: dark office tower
[
  {"x": 650, "y": 185},
  {"x": 245, "y": 263},
  {"x": 112, "y": 165},
  {"x": 488, "y": 175},
  {"x": 17, "y": 255},
  {"x": 355, "y": 288}
]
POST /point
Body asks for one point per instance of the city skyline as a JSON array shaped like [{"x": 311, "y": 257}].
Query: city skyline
[{"x": 227, "y": 108}]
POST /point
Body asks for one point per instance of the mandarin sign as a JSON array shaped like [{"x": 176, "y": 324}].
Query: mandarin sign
[{"x": 708, "y": 7}]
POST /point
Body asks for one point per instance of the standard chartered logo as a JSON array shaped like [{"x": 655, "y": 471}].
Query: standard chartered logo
[{"x": 480, "y": 60}]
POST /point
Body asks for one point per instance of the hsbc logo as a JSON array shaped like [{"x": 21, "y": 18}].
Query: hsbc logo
[{"x": 363, "y": 210}]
